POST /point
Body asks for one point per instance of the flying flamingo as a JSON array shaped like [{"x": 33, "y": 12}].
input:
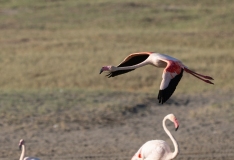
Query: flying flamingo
[
  {"x": 22, "y": 146},
  {"x": 173, "y": 70},
  {"x": 159, "y": 149}
]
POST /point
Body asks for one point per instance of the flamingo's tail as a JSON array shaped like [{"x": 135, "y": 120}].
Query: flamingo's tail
[{"x": 200, "y": 76}]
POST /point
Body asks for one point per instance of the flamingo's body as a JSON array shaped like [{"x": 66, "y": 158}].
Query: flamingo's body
[
  {"x": 159, "y": 149},
  {"x": 173, "y": 70},
  {"x": 22, "y": 146}
]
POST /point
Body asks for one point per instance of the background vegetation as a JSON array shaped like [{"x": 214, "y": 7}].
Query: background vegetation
[{"x": 52, "y": 51}]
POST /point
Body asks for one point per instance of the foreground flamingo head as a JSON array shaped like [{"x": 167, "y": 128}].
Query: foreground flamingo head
[
  {"x": 172, "y": 118},
  {"x": 21, "y": 142},
  {"x": 107, "y": 68}
]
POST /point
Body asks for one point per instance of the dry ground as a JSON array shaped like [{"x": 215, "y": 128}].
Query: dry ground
[{"x": 205, "y": 131}]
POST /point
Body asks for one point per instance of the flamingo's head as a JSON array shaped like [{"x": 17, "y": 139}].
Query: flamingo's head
[
  {"x": 107, "y": 68},
  {"x": 172, "y": 118},
  {"x": 21, "y": 142}
]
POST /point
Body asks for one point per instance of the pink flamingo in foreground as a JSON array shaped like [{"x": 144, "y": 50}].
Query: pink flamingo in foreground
[
  {"x": 22, "y": 146},
  {"x": 159, "y": 149},
  {"x": 173, "y": 70}
]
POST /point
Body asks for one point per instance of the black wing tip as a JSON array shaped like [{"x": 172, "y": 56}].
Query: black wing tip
[
  {"x": 117, "y": 73},
  {"x": 109, "y": 75},
  {"x": 162, "y": 97}
]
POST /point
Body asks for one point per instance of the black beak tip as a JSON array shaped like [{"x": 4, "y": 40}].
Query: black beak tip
[
  {"x": 100, "y": 71},
  {"x": 177, "y": 128}
]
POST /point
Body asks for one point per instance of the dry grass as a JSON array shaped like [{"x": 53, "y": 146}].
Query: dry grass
[
  {"x": 58, "y": 108},
  {"x": 60, "y": 44},
  {"x": 52, "y": 45}
]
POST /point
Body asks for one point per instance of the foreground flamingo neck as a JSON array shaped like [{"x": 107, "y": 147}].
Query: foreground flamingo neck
[
  {"x": 23, "y": 153},
  {"x": 176, "y": 151}
]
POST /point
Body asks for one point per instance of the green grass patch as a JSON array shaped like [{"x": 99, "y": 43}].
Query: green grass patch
[{"x": 44, "y": 108}]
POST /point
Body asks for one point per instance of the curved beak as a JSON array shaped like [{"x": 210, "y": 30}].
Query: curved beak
[
  {"x": 101, "y": 70},
  {"x": 176, "y": 124},
  {"x": 20, "y": 146}
]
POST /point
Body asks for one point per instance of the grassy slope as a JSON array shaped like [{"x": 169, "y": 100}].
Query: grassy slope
[{"x": 63, "y": 44}]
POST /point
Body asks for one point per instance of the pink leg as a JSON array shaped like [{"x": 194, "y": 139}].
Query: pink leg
[
  {"x": 205, "y": 80},
  {"x": 194, "y": 73}
]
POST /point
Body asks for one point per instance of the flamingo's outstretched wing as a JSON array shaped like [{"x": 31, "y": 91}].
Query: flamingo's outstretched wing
[
  {"x": 132, "y": 59},
  {"x": 172, "y": 75}
]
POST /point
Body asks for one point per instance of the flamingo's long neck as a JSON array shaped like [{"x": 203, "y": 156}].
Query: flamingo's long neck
[
  {"x": 23, "y": 152},
  {"x": 132, "y": 67},
  {"x": 176, "y": 151}
]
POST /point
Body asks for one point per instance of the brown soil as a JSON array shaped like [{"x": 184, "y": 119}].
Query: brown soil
[{"x": 206, "y": 132}]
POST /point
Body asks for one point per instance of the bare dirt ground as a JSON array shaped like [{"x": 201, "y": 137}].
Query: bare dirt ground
[{"x": 206, "y": 132}]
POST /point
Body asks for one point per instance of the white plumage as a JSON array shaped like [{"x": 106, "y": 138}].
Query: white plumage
[
  {"x": 23, "y": 148},
  {"x": 159, "y": 149}
]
